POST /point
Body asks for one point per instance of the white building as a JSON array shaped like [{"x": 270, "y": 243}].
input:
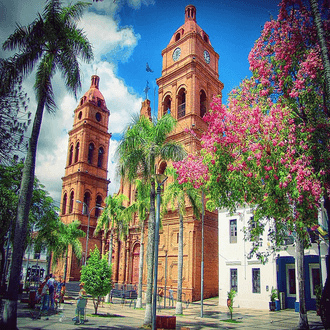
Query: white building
[{"x": 254, "y": 281}]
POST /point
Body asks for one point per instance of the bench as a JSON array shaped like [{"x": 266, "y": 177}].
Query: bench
[{"x": 123, "y": 295}]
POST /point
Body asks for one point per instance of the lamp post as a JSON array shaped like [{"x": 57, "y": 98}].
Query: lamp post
[
  {"x": 202, "y": 263},
  {"x": 160, "y": 178},
  {"x": 89, "y": 218}
]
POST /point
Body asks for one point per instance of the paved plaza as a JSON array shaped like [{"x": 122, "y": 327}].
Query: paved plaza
[{"x": 126, "y": 317}]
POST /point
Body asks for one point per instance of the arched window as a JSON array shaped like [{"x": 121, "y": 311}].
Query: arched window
[
  {"x": 90, "y": 153},
  {"x": 177, "y": 37},
  {"x": 181, "y": 103},
  {"x": 100, "y": 157},
  {"x": 65, "y": 199},
  {"x": 206, "y": 39},
  {"x": 76, "y": 156},
  {"x": 167, "y": 105},
  {"x": 87, "y": 199},
  {"x": 98, "y": 203},
  {"x": 71, "y": 202},
  {"x": 202, "y": 101},
  {"x": 71, "y": 155}
]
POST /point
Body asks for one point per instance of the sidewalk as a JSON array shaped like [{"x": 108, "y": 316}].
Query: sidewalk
[{"x": 126, "y": 318}]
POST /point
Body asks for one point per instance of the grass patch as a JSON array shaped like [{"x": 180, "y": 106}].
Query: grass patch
[
  {"x": 147, "y": 326},
  {"x": 231, "y": 321},
  {"x": 104, "y": 315},
  {"x": 139, "y": 309}
]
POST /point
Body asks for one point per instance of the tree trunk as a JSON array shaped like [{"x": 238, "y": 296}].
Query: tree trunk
[
  {"x": 49, "y": 258},
  {"x": 322, "y": 43},
  {"x": 108, "y": 298},
  {"x": 24, "y": 203},
  {"x": 303, "y": 321},
  {"x": 65, "y": 264},
  {"x": 325, "y": 299},
  {"x": 141, "y": 261},
  {"x": 2, "y": 266},
  {"x": 178, "y": 309},
  {"x": 150, "y": 255}
]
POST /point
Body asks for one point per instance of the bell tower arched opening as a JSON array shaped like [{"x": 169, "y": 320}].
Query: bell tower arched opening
[
  {"x": 167, "y": 105},
  {"x": 181, "y": 103},
  {"x": 202, "y": 102}
]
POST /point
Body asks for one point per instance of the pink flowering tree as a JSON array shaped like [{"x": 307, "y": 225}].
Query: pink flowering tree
[{"x": 269, "y": 147}]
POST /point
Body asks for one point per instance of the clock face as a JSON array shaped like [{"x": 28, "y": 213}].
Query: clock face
[
  {"x": 206, "y": 56},
  {"x": 176, "y": 54}
]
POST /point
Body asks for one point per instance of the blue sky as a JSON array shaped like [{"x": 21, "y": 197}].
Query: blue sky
[{"x": 125, "y": 35}]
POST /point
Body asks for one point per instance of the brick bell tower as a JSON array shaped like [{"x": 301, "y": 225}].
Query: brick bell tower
[
  {"x": 85, "y": 178},
  {"x": 189, "y": 81}
]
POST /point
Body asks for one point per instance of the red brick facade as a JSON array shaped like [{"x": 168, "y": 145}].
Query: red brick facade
[{"x": 85, "y": 176}]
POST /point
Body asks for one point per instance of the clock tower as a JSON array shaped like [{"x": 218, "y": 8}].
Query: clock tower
[{"x": 189, "y": 81}]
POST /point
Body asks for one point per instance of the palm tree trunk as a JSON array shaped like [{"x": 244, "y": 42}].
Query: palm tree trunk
[
  {"x": 65, "y": 264},
  {"x": 108, "y": 298},
  {"x": 141, "y": 261},
  {"x": 24, "y": 203},
  {"x": 178, "y": 309},
  {"x": 303, "y": 321},
  {"x": 150, "y": 255}
]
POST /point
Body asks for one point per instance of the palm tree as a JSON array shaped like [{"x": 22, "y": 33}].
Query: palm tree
[
  {"x": 143, "y": 143},
  {"x": 52, "y": 41},
  {"x": 68, "y": 236},
  {"x": 142, "y": 203},
  {"x": 176, "y": 195},
  {"x": 112, "y": 216}
]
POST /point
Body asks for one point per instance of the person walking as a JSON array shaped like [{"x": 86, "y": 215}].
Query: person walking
[
  {"x": 170, "y": 292},
  {"x": 81, "y": 305},
  {"x": 44, "y": 303},
  {"x": 51, "y": 286}
]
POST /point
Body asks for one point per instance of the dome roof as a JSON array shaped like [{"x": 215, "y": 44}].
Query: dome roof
[
  {"x": 190, "y": 25},
  {"x": 93, "y": 95}
]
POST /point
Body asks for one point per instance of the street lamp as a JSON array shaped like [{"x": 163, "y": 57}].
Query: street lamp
[
  {"x": 89, "y": 218},
  {"x": 160, "y": 178},
  {"x": 202, "y": 263}
]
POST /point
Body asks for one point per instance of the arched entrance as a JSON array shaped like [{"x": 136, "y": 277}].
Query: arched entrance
[{"x": 135, "y": 264}]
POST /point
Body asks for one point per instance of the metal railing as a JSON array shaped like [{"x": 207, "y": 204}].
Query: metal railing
[{"x": 181, "y": 110}]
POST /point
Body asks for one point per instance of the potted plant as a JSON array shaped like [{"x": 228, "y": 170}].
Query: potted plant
[
  {"x": 230, "y": 301},
  {"x": 318, "y": 294},
  {"x": 273, "y": 296}
]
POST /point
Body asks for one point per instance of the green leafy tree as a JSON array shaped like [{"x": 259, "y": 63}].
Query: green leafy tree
[
  {"x": 52, "y": 41},
  {"x": 97, "y": 276},
  {"x": 144, "y": 142},
  {"x": 67, "y": 236},
  {"x": 43, "y": 217},
  {"x": 176, "y": 195}
]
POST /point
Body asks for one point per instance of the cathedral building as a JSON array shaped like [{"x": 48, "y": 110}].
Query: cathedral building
[{"x": 189, "y": 81}]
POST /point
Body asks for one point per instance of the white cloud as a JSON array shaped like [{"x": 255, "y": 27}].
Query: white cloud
[
  {"x": 107, "y": 38},
  {"x": 110, "y": 42}
]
